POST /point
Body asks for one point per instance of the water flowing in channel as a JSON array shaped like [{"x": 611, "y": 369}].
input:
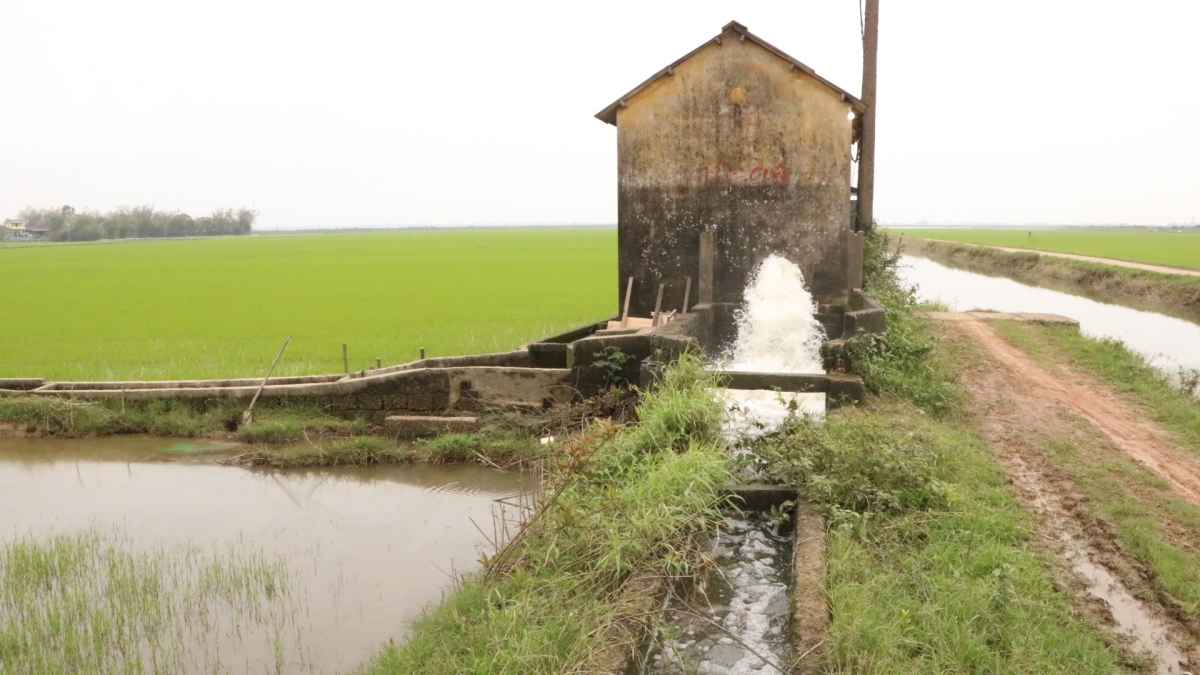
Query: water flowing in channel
[{"x": 777, "y": 333}]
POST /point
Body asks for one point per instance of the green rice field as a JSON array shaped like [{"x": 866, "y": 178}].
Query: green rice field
[
  {"x": 221, "y": 307},
  {"x": 1155, "y": 247}
]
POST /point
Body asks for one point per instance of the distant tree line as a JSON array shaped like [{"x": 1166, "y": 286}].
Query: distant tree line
[{"x": 67, "y": 224}]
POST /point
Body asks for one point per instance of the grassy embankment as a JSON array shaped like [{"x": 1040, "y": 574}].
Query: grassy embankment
[
  {"x": 1132, "y": 504},
  {"x": 1173, "y": 294},
  {"x": 51, "y": 416},
  {"x": 1166, "y": 247},
  {"x": 575, "y": 590},
  {"x": 221, "y": 307}
]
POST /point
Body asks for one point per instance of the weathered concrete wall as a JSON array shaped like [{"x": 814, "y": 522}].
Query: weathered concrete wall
[
  {"x": 736, "y": 142},
  {"x": 420, "y": 390}
]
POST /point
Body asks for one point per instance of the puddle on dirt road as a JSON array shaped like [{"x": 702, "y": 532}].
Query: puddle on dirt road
[
  {"x": 365, "y": 548},
  {"x": 1148, "y": 633},
  {"x": 737, "y": 623},
  {"x": 1168, "y": 341}
]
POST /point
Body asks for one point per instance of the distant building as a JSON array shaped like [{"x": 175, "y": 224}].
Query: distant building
[
  {"x": 14, "y": 229},
  {"x": 729, "y": 154}
]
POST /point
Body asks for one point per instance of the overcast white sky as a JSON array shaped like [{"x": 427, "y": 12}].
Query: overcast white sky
[{"x": 401, "y": 113}]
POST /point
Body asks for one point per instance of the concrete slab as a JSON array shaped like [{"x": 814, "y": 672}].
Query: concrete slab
[
  {"x": 760, "y": 497},
  {"x": 21, "y": 383},
  {"x": 1001, "y": 316},
  {"x": 416, "y": 426},
  {"x": 634, "y": 322}
]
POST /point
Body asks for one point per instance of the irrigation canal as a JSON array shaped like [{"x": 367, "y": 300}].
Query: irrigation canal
[
  {"x": 1167, "y": 341},
  {"x": 365, "y": 548}
]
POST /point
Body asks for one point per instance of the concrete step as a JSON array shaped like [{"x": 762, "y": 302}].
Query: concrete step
[{"x": 416, "y": 426}]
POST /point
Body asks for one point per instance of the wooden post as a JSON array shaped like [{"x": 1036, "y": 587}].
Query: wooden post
[
  {"x": 378, "y": 362},
  {"x": 422, "y": 353},
  {"x": 706, "y": 266},
  {"x": 625, "y": 311},
  {"x": 345, "y": 359},
  {"x": 657, "y": 306},
  {"x": 248, "y": 416},
  {"x": 687, "y": 294},
  {"x": 866, "y": 136}
]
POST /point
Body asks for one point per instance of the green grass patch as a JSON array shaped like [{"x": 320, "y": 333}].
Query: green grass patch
[
  {"x": 1167, "y": 247},
  {"x": 904, "y": 362},
  {"x": 280, "y": 423},
  {"x": 932, "y": 565},
  {"x": 221, "y": 307},
  {"x": 575, "y": 589}
]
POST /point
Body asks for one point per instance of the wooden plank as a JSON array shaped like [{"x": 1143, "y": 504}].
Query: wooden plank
[
  {"x": 706, "y": 266},
  {"x": 658, "y": 306}
]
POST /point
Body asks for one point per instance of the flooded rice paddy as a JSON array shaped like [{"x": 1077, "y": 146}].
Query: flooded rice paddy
[
  {"x": 358, "y": 550},
  {"x": 1167, "y": 341}
]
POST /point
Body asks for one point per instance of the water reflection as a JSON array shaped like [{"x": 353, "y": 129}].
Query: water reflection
[
  {"x": 367, "y": 547},
  {"x": 1168, "y": 341}
]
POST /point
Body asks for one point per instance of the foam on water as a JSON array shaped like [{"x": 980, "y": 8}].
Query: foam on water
[{"x": 777, "y": 332}]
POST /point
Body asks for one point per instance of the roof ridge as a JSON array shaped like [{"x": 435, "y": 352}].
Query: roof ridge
[{"x": 609, "y": 114}]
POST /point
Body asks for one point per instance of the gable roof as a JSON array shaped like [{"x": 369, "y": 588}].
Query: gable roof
[{"x": 609, "y": 114}]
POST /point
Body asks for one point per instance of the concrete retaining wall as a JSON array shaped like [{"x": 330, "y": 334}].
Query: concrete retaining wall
[{"x": 374, "y": 395}]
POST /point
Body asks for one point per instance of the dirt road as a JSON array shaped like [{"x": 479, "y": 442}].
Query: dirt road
[
  {"x": 1019, "y": 405},
  {"x": 1143, "y": 440}
]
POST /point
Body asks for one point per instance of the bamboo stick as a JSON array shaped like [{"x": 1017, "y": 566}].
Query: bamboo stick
[
  {"x": 248, "y": 416},
  {"x": 625, "y": 311},
  {"x": 657, "y": 306}
]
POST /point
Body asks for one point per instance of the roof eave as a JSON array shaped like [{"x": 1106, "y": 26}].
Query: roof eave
[{"x": 609, "y": 114}]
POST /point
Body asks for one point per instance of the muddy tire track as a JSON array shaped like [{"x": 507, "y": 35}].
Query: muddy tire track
[
  {"x": 1141, "y": 439},
  {"x": 1017, "y": 404}
]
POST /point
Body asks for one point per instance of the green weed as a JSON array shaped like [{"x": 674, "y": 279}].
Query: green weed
[
  {"x": 902, "y": 362},
  {"x": 90, "y": 603}
]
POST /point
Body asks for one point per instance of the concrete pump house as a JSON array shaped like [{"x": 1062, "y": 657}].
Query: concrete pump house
[{"x": 729, "y": 154}]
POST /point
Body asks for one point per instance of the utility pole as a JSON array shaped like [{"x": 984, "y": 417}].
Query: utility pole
[{"x": 866, "y": 137}]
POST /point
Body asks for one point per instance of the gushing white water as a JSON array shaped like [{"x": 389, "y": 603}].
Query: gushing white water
[{"x": 777, "y": 332}]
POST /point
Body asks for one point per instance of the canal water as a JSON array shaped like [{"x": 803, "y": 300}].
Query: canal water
[
  {"x": 365, "y": 548},
  {"x": 1167, "y": 341}
]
